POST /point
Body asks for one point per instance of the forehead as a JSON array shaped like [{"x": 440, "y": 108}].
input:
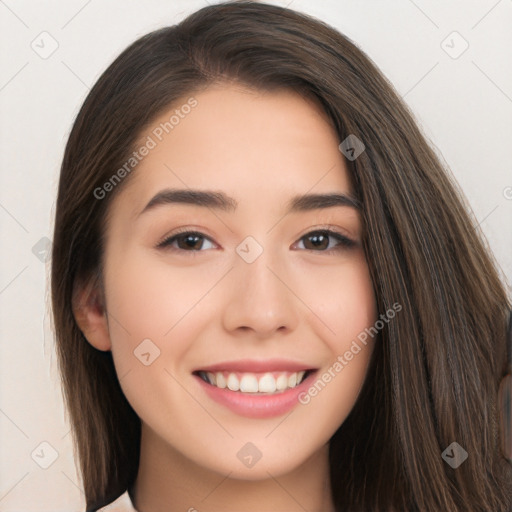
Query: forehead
[{"x": 248, "y": 143}]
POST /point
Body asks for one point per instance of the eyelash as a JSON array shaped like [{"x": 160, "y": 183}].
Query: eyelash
[{"x": 344, "y": 242}]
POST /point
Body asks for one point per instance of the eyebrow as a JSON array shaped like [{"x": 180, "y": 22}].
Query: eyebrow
[{"x": 220, "y": 201}]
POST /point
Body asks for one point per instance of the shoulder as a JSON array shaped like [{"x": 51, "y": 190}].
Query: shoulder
[{"x": 122, "y": 504}]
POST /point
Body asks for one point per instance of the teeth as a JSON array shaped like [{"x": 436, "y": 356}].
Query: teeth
[
  {"x": 252, "y": 383},
  {"x": 267, "y": 384},
  {"x": 221, "y": 381},
  {"x": 282, "y": 382},
  {"x": 233, "y": 382},
  {"x": 249, "y": 384}
]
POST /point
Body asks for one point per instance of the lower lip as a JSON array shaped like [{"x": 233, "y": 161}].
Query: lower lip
[{"x": 256, "y": 406}]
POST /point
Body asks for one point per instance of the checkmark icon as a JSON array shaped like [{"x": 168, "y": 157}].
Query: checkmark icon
[
  {"x": 249, "y": 455},
  {"x": 454, "y": 45},
  {"x": 352, "y": 147},
  {"x": 249, "y": 249},
  {"x": 44, "y": 45},
  {"x": 454, "y": 455},
  {"x": 146, "y": 352},
  {"x": 41, "y": 250},
  {"x": 44, "y": 455}
]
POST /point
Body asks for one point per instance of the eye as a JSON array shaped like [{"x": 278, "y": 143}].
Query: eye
[
  {"x": 191, "y": 241},
  {"x": 320, "y": 241}
]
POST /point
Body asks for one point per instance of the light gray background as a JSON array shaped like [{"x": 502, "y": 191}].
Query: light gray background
[{"x": 463, "y": 104}]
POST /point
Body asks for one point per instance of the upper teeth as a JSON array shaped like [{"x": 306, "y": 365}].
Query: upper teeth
[{"x": 254, "y": 383}]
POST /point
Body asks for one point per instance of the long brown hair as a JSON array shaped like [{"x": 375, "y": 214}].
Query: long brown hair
[{"x": 435, "y": 371}]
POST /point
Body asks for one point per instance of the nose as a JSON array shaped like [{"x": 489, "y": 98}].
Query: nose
[{"x": 260, "y": 298}]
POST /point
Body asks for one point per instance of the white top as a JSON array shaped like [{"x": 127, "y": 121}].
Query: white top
[{"x": 122, "y": 504}]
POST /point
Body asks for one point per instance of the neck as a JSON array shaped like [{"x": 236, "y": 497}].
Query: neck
[{"x": 168, "y": 481}]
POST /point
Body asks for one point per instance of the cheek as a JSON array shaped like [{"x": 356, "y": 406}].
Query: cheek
[
  {"x": 156, "y": 312},
  {"x": 357, "y": 306},
  {"x": 343, "y": 298},
  {"x": 347, "y": 306},
  {"x": 148, "y": 299}
]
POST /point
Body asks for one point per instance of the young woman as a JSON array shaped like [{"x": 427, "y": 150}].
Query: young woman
[{"x": 268, "y": 294}]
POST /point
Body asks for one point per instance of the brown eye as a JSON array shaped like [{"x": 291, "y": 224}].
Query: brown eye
[
  {"x": 191, "y": 241},
  {"x": 320, "y": 241}
]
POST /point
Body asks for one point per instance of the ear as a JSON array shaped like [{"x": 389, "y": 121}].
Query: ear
[{"x": 90, "y": 313}]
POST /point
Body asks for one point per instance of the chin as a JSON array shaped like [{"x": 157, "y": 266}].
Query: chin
[{"x": 269, "y": 461}]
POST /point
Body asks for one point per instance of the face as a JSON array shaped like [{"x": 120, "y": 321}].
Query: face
[{"x": 231, "y": 318}]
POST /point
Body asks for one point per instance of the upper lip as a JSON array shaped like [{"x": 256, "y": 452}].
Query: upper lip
[{"x": 257, "y": 366}]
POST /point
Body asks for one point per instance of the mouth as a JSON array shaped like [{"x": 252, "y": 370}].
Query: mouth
[
  {"x": 255, "y": 389},
  {"x": 255, "y": 383}
]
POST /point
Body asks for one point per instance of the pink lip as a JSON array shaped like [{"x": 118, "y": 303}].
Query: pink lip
[
  {"x": 257, "y": 366},
  {"x": 256, "y": 406}
]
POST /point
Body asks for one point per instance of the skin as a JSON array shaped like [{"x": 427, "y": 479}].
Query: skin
[{"x": 294, "y": 301}]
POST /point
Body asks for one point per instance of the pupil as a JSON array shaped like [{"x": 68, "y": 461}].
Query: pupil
[
  {"x": 319, "y": 241},
  {"x": 191, "y": 241}
]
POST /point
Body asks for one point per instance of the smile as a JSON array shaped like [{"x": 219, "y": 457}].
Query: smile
[
  {"x": 255, "y": 389},
  {"x": 268, "y": 383}
]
